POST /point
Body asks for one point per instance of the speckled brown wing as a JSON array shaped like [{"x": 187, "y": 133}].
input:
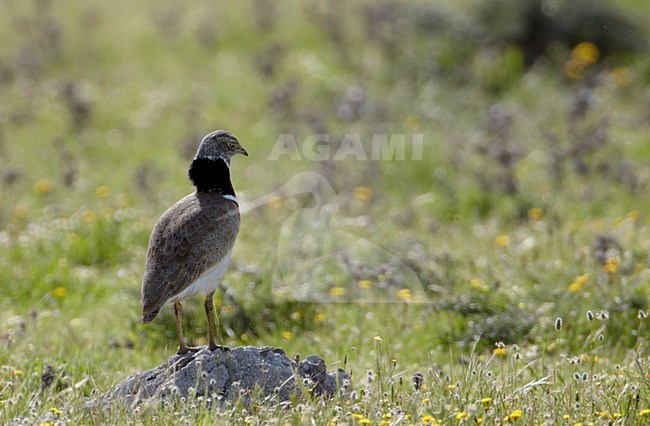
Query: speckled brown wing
[{"x": 188, "y": 239}]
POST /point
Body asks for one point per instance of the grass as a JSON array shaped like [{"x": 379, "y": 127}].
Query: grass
[{"x": 436, "y": 282}]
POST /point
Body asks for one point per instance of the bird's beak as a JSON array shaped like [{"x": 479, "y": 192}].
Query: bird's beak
[{"x": 241, "y": 151}]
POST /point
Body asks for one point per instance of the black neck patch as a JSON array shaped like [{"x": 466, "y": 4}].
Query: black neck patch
[{"x": 211, "y": 176}]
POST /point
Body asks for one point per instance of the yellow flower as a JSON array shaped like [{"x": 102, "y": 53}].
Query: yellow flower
[
  {"x": 102, "y": 191},
  {"x": 377, "y": 338},
  {"x": 477, "y": 283},
  {"x": 337, "y": 291},
  {"x": 486, "y": 400},
  {"x": 405, "y": 294},
  {"x": 574, "y": 69},
  {"x": 43, "y": 186},
  {"x": 356, "y": 416},
  {"x": 426, "y": 400},
  {"x": 411, "y": 122},
  {"x": 319, "y": 317},
  {"x": 364, "y": 421},
  {"x": 499, "y": 352},
  {"x": 428, "y": 419},
  {"x": 60, "y": 292},
  {"x": 479, "y": 421},
  {"x": 275, "y": 202},
  {"x": 502, "y": 240},
  {"x": 611, "y": 265},
  {"x": 586, "y": 53},
  {"x": 644, "y": 412},
  {"x": 365, "y": 284},
  {"x": 462, "y": 415},
  {"x": 566, "y": 417},
  {"x": 514, "y": 415},
  {"x": 451, "y": 387},
  {"x": 535, "y": 213},
  {"x": 18, "y": 372},
  {"x": 362, "y": 193},
  {"x": 88, "y": 216},
  {"x": 579, "y": 283},
  {"x": 56, "y": 411},
  {"x": 287, "y": 335}
]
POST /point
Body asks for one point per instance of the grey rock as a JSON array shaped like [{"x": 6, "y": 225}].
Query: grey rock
[
  {"x": 313, "y": 368},
  {"x": 226, "y": 375}
]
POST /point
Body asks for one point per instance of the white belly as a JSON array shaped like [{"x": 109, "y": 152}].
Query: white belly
[{"x": 207, "y": 282}]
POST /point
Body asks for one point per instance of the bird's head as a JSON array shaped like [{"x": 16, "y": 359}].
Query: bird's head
[{"x": 219, "y": 144}]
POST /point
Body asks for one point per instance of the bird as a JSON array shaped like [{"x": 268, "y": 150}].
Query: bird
[{"x": 192, "y": 242}]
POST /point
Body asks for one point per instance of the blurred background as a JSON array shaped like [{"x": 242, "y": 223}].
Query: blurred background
[{"x": 535, "y": 122}]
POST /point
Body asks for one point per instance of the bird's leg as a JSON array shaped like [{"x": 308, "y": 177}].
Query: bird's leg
[
  {"x": 182, "y": 348},
  {"x": 209, "y": 312}
]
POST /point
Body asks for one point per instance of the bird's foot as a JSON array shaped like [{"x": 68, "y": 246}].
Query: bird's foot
[
  {"x": 182, "y": 350},
  {"x": 222, "y": 348}
]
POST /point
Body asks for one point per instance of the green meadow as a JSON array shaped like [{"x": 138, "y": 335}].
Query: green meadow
[{"x": 498, "y": 272}]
